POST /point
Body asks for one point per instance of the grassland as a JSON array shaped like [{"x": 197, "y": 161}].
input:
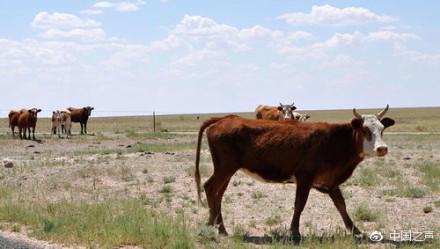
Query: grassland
[{"x": 126, "y": 187}]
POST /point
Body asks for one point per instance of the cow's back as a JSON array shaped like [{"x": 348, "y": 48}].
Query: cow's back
[
  {"x": 267, "y": 112},
  {"x": 77, "y": 115}
]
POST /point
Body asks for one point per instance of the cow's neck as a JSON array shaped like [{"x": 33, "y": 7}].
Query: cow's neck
[{"x": 344, "y": 151}]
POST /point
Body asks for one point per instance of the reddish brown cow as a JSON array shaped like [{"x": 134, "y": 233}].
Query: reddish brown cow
[
  {"x": 13, "y": 120},
  {"x": 312, "y": 155},
  {"x": 281, "y": 112},
  {"x": 81, "y": 115},
  {"x": 27, "y": 120}
]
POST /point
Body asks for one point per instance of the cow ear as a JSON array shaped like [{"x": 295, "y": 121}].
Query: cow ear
[
  {"x": 39, "y": 110},
  {"x": 357, "y": 123},
  {"x": 387, "y": 122},
  {"x": 293, "y": 108},
  {"x": 280, "y": 108},
  {"x": 307, "y": 117}
]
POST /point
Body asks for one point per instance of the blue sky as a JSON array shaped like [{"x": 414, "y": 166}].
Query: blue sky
[{"x": 175, "y": 56}]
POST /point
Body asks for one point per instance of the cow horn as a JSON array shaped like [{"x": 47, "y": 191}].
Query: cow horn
[
  {"x": 356, "y": 114},
  {"x": 281, "y": 104},
  {"x": 293, "y": 103},
  {"x": 382, "y": 113}
]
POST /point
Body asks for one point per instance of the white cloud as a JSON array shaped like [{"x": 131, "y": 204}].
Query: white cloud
[
  {"x": 79, "y": 34},
  {"x": 91, "y": 11},
  {"x": 416, "y": 56},
  {"x": 120, "y": 6},
  {"x": 333, "y": 16},
  {"x": 339, "y": 39},
  {"x": 46, "y": 20}
]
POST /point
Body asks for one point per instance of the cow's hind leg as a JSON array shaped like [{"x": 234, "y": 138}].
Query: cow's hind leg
[
  {"x": 302, "y": 193},
  {"x": 338, "y": 200},
  {"x": 219, "y": 222}
]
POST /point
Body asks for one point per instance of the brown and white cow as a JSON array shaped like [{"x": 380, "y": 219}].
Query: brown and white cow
[
  {"x": 27, "y": 119},
  {"x": 66, "y": 123},
  {"x": 61, "y": 123},
  {"x": 81, "y": 115},
  {"x": 13, "y": 120},
  {"x": 56, "y": 123},
  {"x": 312, "y": 155},
  {"x": 300, "y": 117},
  {"x": 281, "y": 112}
]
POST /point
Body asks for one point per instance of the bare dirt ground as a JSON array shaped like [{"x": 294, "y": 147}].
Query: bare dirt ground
[{"x": 396, "y": 191}]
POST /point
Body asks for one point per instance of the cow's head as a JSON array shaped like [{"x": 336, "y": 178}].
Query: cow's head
[
  {"x": 56, "y": 115},
  {"x": 88, "y": 110},
  {"x": 34, "y": 111},
  {"x": 300, "y": 117},
  {"x": 286, "y": 111},
  {"x": 371, "y": 127}
]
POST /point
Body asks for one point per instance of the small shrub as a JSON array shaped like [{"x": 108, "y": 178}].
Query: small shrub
[
  {"x": 166, "y": 189},
  {"x": 364, "y": 213},
  {"x": 169, "y": 179},
  {"x": 257, "y": 195}
]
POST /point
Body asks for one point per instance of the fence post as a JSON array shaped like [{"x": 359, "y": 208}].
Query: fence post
[{"x": 154, "y": 122}]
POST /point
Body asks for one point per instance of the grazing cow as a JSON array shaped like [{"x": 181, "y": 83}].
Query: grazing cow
[
  {"x": 312, "y": 155},
  {"x": 56, "y": 123},
  {"x": 282, "y": 112},
  {"x": 13, "y": 120},
  {"x": 300, "y": 117},
  {"x": 27, "y": 119},
  {"x": 66, "y": 123},
  {"x": 81, "y": 116}
]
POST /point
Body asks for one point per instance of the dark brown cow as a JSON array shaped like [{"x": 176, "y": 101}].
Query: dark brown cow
[
  {"x": 13, "y": 120},
  {"x": 81, "y": 115},
  {"x": 27, "y": 119},
  {"x": 312, "y": 155},
  {"x": 281, "y": 112}
]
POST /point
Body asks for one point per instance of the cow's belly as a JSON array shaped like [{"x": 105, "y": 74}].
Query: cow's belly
[{"x": 272, "y": 177}]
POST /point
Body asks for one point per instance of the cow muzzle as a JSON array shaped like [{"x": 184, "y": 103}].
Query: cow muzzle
[{"x": 381, "y": 151}]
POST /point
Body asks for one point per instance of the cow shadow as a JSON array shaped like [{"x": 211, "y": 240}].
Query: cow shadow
[{"x": 325, "y": 239}]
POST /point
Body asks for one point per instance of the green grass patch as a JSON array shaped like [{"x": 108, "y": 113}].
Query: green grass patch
[
  {"x": 163, "y": 147},
  {"x": 430, "y": 174},
  {"x": 107, "y": 224},
  {"x": 149, "y": 135},
  {"x": 405, "y": 191},
  {"x": 366, "y": 177}
]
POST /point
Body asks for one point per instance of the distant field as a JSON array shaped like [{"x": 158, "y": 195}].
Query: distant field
[{"x": 407, "y": 119}]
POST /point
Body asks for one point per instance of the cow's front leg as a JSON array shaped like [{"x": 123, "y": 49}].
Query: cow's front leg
[
  {"x": 302, "y": 193},
  {"x": 82, "y": 132},
  {"x": 85, "y": 127},
  {"x": 338, "y": 200}
]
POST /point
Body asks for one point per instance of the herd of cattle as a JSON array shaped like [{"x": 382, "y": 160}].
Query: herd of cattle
[
  {"x": 26, "y": 119},
  {"x": 315, "y": 155}
]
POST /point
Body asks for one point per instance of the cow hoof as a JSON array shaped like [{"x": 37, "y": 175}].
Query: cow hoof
[
  {"x": 296, "y": 239},
  {"x": 222, "y": 231}
]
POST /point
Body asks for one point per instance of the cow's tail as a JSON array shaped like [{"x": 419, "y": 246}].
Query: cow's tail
[
  {"x": 199, "y": 145},
  {"x": 10, "y": 119}
]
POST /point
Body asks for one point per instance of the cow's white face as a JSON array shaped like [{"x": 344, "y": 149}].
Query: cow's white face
[
  {"x": 373, "y": 141},
  {"x": 372, "y": 127},
  {"x": 286, "y": 111},
  {"x": 300, "y": 117}
]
